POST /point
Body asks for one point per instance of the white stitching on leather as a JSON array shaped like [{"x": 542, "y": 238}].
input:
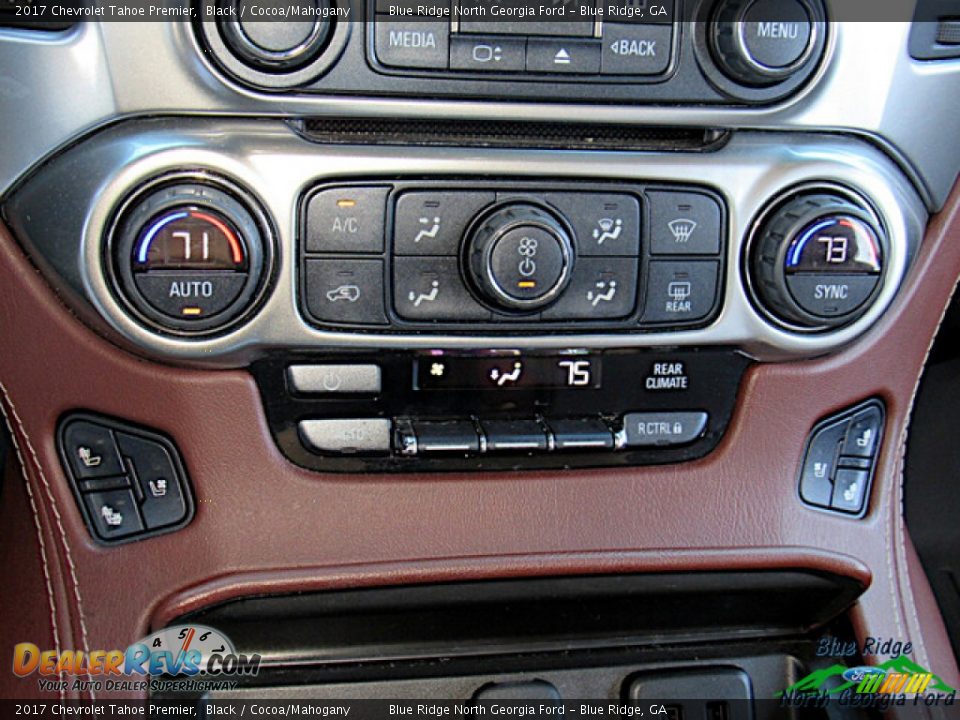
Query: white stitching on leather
[
  {"x": 901, "y": 466},
  {"x": 36, "y": 523},
  {"x": 59, "y": 522}
]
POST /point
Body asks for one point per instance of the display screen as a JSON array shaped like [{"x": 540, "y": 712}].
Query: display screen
[
  {"x": 505, "y": 372},
  {"x": 189, "y": 238}
]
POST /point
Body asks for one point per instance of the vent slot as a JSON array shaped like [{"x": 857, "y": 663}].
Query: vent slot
[{"x": 511, "y": 134}]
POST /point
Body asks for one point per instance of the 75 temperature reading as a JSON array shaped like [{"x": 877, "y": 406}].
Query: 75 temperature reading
[{"x": 579, "y": 372}]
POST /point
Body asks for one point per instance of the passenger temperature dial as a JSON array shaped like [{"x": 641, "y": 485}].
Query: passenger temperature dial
[
  {"x": 817, "y": 261},
  {"x": 519, "y": 257},
  {"x": 188, "y": 257}
]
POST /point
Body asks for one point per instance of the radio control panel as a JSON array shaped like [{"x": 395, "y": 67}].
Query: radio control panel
[{"x": 504, "y": 256}]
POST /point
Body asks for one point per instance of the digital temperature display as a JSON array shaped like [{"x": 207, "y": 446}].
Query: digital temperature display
[
  {"x": 189, "y": 239},
  {"x": 505, "y": 372}
]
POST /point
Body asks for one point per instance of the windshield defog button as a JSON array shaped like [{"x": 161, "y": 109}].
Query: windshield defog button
[{"x": 648, "y": 429}]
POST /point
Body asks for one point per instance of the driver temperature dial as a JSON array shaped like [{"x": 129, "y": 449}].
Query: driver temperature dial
[{"x": 519, "y": 257}]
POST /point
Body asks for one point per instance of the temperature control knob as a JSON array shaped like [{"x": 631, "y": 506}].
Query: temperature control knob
[
  {"x": 188, "y": 257},
  {"x": 519, "y": 257},
  {"x": 817, "y": 261}
]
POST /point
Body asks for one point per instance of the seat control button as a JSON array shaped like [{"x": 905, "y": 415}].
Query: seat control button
[
  {"x": 310, "y": 379},
  {"x": 91, "y": 450},
  {"x": 864, "y": 433},
  {"x": 581, "y": 434},
  {"x": 850, "y": 490},
  {"x": 648, "y": 429},
  {"x": 347, "y": 435},
  {"x": 819, "y": 467},
  {"x": 156, "y": 478},
  {"x": 114, "y": 513},
  {"x": 514, "y": 435}
]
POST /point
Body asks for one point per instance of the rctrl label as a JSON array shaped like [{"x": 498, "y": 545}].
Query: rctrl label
[{"x": 665, "y": 376}]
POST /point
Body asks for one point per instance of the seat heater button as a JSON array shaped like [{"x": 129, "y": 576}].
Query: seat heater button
[
  {"x": 114, "y": 513},
  {"x": 446, "y": 436},
  {"x": 334, "y": 378},
  {"x": 157, "y": 478},
  {"x": 91, "y": 450},
  {"x": 347, "y": 435},
  {"x": 647, "y": 429},
  {"x": 581, "y": 434},
  {"x": 346, "y": 220},
  {"x": 850, "y": 490},
  {"x": 514, "y": 435},
  {"x": 819, "y": 465},
  {"x": 864, "y": 433}
]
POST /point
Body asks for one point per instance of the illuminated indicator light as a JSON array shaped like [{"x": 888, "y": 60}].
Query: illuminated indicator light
[
  {"x": 230, "y": 235},
  {"x": 191, "y": 311},
  {"x": 527, "y": 284},
  {"x": 346, "y": 203},
  {"x": 152, "y": 232}
]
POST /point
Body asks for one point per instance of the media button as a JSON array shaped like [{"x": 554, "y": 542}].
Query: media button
[{"x": 412, "y": 44}]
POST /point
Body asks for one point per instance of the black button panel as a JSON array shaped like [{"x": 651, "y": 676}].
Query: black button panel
[
  {"x": 444, "y": 410},
  {"x": 636, "y": 42},
  {"x": 130, "y": 483},
  {"x": 840, "y": 457},
  {"x": 398, "y": 256}
]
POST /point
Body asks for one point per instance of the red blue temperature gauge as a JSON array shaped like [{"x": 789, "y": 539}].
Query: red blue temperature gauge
[{"x": 189, "y": 239}]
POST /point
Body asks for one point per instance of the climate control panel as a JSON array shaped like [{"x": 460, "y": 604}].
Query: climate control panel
[{"x": 503, "y": 256}]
